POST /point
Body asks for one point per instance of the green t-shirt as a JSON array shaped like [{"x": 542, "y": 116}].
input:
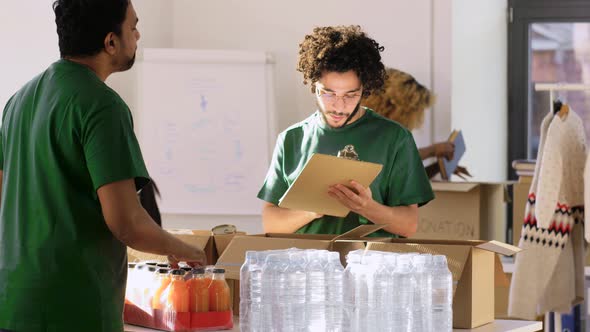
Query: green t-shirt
[
  {"x": 402, "y": 180},
  {"x": 63, "y": 135}
]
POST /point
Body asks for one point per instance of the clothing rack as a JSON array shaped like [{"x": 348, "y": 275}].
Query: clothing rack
[{"x": 551, "y": 87}]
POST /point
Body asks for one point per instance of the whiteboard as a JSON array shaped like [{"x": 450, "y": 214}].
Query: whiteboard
[{"x": 204, "y": 126}]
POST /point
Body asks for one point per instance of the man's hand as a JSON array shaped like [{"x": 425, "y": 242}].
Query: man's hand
[
  {"x": 194, "y": 257},
  {"x": 357, "y": 198}
]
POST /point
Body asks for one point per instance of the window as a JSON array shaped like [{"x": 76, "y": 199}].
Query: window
[{"x": 549, "y": 42}]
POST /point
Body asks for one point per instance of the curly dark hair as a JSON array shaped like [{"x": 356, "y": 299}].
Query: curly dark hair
[
  {"x": 82, "y": 25},
  {"x": 340, "y": 49}
]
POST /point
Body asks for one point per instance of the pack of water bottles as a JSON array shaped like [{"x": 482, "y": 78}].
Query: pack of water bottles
[
  {"x": 309, "y": 290},
  {"x": 180, "y": 300}
]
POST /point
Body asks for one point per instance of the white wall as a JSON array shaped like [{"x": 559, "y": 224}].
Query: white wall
[
  {"x": 29, "y": 43},
  {"x": 155, "y": 28},
  {"x": 441, "y": 69},
  {"x": 403, "y": 27},
  {"x": 479, "y": 78}
]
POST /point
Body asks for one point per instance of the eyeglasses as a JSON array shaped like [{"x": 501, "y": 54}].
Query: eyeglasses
[{"x": 331, "y": 97}]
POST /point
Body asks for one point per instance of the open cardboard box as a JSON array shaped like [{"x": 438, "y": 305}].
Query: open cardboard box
[
  {"x": 234, "y": 255},
  {"x": 212, "y": 244},
  {"x": 475, "y": 266},
  {"x": 465, "y": 211}
]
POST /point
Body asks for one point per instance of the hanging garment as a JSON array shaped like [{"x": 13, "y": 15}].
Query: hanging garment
[{"x": 549, "y": 272}]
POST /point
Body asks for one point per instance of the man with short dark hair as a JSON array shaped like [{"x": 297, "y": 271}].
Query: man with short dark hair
[{"x": 70, "y": 166}]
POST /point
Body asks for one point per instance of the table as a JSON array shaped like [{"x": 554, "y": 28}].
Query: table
[
  {"x": 496, "y": 326},
  {"x": 500, "y": 325}
]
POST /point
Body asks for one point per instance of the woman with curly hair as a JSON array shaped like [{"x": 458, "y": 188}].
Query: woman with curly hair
[
  {"x": 342, "y": 64},
  {"x": 404, "y": 100}
]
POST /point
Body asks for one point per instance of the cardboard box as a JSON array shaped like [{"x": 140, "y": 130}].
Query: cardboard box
[
  {"x": 212, "y": 244},
  {"x": 501, "y": 297},
  {"x": 465, "y": 211},
  {"x": 520, "y": 196},
  {"x": 475, "y": 268},
  {"x": 234, "y": 255}
]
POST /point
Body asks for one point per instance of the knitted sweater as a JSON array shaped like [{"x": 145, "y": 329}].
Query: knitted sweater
[{"x": 549, "y": 273}]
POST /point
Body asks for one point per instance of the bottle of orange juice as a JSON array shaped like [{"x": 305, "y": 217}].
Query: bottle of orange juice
[
  {"x": 209, "y": 274},
  {"x": 219, "y": 292},
  {"x": 198, "y": 290},
  {"x": 162, "y": 282},
  {"x": 178, "y": 299}
]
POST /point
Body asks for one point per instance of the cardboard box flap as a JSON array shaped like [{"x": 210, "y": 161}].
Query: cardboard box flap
[
  {"x": 327, "y": 237},
  {"x": 500, "y": 277},
  {"x": 234, "y": 255},
  {"x": 499, "y": 247},
  {"x": 456, "y": 255},
  {"x": 193, "y": 237},
  {"x": 223, "y": 240},
  {"x": 453, "y": 186},
  {"x": 140, "y": 256},
  {"x": 359, "y": 232},
  {"x": 472, "y": 243}
]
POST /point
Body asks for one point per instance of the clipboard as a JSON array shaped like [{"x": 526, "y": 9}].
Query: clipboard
[
  {"x": 448, "y": 167},
  {"x": 309, "y": 191}
]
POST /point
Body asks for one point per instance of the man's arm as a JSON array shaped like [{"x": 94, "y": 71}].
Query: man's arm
[
  {"x": 280, "y": 220},
  {"x": 401, "y": 220},
  {"x": 132, "y": 225}
]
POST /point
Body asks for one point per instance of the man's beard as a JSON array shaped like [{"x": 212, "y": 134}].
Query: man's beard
[
  {"x": 129, "y": 64},
  {"x": 349, "y": 115},
  {"x": 124, "y": 64}
]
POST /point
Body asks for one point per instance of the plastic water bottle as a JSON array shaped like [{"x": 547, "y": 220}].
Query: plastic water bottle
[
  {"x": 363, "y": 314},
  {"x": 292, "y": 305},
  {"x": 316, "y": 292},
  {"x": 334, "y": 292},
  {"x": 403, "y": 293},
  {"x": 422, "y": 306},
  {"x": 353, "y": 261},
  {"x": 255, "y": 289},
  {"x": 442, "y": 295},
  {"x": 245, "y": 301},
  {"x": 273, "y": 277},
  {"x": 382, "y": 295}
]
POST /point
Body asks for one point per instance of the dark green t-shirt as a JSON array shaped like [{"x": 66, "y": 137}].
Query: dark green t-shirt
[
  {"x": 402, "y": 180},
  {"x": 64, "y": 135}
]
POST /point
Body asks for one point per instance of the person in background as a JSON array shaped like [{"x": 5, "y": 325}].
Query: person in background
[
  {"x": 70, "y": 167},
  {"x": 404, "y": 100},
  {"x": 342, "y": 64}
]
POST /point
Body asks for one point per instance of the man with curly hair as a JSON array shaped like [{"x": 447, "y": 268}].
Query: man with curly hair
[
  {"x": 70, "y": 166},
  {"x": 342, "y": 64}
]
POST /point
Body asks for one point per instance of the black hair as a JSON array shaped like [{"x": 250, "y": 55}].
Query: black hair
[{"x": 82, "y": 25}]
